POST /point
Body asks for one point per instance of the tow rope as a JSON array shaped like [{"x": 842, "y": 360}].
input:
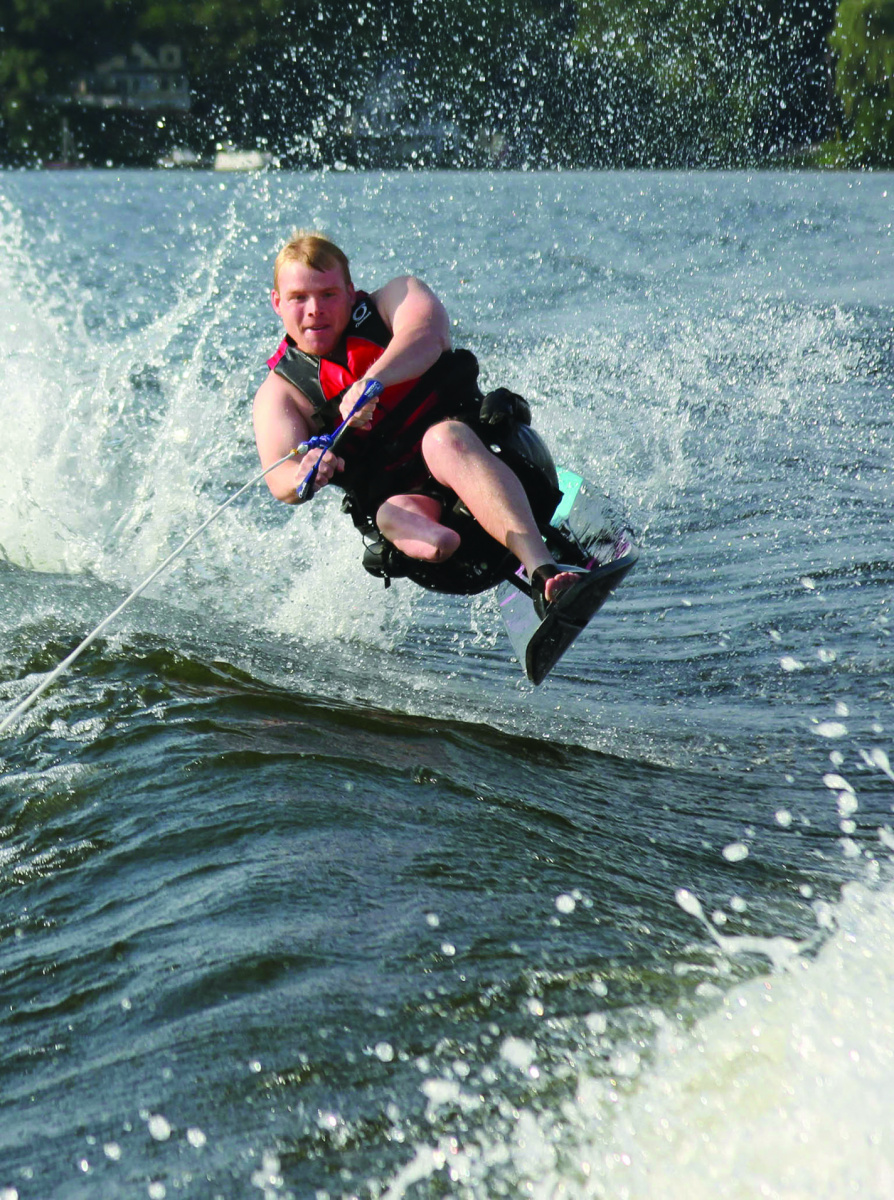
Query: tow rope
[{"x": 305, "y": 492}]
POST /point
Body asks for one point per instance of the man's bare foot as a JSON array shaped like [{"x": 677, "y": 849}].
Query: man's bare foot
[
  {"x": 548, "y": 583},
  {"x": 557, "y": 584}
]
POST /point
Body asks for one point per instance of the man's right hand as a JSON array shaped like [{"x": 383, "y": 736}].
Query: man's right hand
[{"x": 329, "y": 464}]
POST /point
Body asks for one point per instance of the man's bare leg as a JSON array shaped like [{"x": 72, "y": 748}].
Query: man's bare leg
[
  {"x": 493, "y": 494},
  {"x": 411, "y": 524}
]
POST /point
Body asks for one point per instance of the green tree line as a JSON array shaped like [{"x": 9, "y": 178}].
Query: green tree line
[
  {"x": 517, "y": 82},
  {"x": 862, "y": 42}
]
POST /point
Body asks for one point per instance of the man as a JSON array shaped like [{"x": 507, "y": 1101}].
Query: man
[{"x": 339, "y": 338}]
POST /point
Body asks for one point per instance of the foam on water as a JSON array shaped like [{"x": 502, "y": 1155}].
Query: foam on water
[
  {"x": 31, "y": 399},
  {"x": 781, "y": 1089},
  {"x": 118, "y": 447}
]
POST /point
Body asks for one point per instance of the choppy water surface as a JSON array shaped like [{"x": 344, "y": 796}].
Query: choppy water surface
[{"x": 305, "y": 891}]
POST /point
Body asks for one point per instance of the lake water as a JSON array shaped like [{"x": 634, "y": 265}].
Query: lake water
[{"x": 305, "y": 891}]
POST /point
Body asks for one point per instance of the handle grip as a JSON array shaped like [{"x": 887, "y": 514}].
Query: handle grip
[{"x": 331, "y": 441}]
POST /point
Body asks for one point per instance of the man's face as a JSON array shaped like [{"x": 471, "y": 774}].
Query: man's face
[{"x": 315, "y": 306}]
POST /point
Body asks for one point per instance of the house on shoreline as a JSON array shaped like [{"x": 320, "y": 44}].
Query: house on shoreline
[{"x": 138, "y": 79}]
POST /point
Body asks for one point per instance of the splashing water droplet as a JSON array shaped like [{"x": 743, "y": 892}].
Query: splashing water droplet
[
  {"x": 837, "y": 783},
  {"x": 268, "y": 1177},
  {"x": 878, "y": 758},
  {"x": 886, "y": 837},
  {"x": 790, "y": 664},
  {"x": 518, "y": 1053},
  {"x": 831, "y": 729},
  {"x": 159, "y": 1127},
  {"x": 847, "y": 805},
  {"x": 596, "y": 1022},
  {"x": 688, "y": 902}
]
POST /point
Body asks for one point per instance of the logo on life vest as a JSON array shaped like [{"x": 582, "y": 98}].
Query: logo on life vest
[{"x": 360, "y": 313}]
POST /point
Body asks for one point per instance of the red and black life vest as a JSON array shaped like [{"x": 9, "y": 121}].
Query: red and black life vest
[
  {"x": 385, "y": 460},
  {"x": 324, "y": 380}
]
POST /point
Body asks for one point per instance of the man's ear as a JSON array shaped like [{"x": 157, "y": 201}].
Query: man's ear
[{"x": 274, "y": 300}]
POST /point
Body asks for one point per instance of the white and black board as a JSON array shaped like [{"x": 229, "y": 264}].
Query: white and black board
[{"x": 586, "y": 523}]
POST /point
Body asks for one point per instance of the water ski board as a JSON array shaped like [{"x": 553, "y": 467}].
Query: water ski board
[{"x": 585, "y": 533}]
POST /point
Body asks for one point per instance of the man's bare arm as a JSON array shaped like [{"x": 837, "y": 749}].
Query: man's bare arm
[
  {"x": 420, "y": 334},
  {"x": 419, "y": 325},
  {"x": 280, "y": 426}
]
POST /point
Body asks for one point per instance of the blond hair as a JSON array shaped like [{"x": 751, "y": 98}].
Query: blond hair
[{"x": 314, "y": 250}]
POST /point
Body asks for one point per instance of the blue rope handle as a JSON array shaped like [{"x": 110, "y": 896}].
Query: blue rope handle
[{"x": 328, "y": 441}]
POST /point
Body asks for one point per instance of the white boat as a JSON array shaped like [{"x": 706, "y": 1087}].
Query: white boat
[{"x": 228, "y": 158}]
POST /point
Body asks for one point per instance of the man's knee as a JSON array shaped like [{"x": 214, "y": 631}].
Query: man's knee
[{"x": 450, "y": 440}]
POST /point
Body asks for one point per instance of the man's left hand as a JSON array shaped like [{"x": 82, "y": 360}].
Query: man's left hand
[{"x": 362, "y": 419}]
